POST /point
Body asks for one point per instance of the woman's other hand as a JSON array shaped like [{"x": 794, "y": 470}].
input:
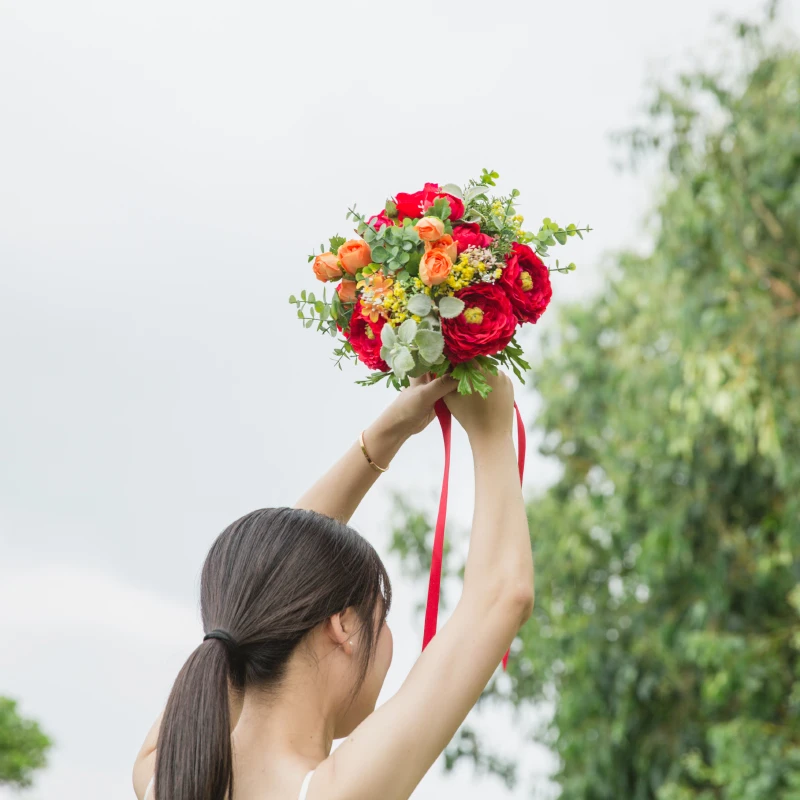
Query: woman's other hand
[{"x": 490, "y": 416}]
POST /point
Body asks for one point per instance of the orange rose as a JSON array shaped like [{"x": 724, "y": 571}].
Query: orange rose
[
  {"x": 435, "y": 266},
  {"x": 429, "y": 228},
  {"x": 355, "y": 255},
  {"x": 445, "y": 243},
  {"x": 347, "y": 291},
  {"x": 326, "y": 267}
]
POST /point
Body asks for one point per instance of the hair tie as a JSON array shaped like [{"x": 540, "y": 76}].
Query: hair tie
[{"x": 223, "y": 636}]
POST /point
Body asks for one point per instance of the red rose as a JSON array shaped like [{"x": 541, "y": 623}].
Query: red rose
[
  {"x": 484, "y": 327},
  {"x": 365, "y": 338},
  {"x": 468, "y": 234},
  {"x": 380, "y": 220},
  {"x": 527, "y": 281},
  {"x": 414, "y": 205}
]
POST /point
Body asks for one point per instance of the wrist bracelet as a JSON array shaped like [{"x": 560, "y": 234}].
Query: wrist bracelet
[{"x": 367, "y": 456}]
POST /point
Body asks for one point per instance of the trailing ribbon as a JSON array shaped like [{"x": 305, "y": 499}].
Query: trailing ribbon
[{"x": 434, "y": 584}]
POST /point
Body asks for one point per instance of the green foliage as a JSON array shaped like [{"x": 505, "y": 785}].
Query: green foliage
[
  {"x": 392, "y": 246},
  {"x": 335, "y": 243},
  {"x": 667, "y": 620},
  {"x": 23, "y": 746}
]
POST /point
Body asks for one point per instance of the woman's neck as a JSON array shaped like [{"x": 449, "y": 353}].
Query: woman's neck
[{"x": 289, "y": 722}]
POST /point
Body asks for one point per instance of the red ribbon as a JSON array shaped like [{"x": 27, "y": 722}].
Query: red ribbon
[{"x": 435, "y": 582}]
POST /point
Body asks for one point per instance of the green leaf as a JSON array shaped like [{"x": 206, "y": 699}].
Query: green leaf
[
  {"x": 475, "y": 192},
  {"x": 292, "y": 299},
  {"x": 388, "y": 336},
  {"x": 450, "y": 307},
  {"x": 420, "y": 304},
  {"x": 561, "y": 237},
  {"x": 402, "y": 362},
  {"x": 451, "y": 188},
  {"x": 336, "y": 242},
  {"x": 407, "y": 331},
  {"x": 430, "y": 345},
  {"x": 379, "y": 254}
]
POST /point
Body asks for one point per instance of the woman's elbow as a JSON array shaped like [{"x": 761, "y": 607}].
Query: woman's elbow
[{"x": 523, "y": 601}]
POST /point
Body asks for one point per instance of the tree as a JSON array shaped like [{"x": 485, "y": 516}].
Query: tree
[
  {"x": 667, "y": 621},
  {"x": 22, "y": 746}
]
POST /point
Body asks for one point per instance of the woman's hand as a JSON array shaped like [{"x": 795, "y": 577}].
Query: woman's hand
[
  {"x": 412, "y": 411},
  {"x": 490, "y": 416}
]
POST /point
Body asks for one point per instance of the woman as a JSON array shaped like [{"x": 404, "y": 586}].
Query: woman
[{"x": 294, "y": 606}]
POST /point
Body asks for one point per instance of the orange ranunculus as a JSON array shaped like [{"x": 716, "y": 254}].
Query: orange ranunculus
[
  {"x": 435, "y": 266},
  {"x": 445, "y": 243},
  {"x": 374, "y": 290},
  {"x": 326, "y": 267},
  {"x": 347, "y": 291},
  {"x": 429, "y": 229},
  {"x": 354, "y": 255}
]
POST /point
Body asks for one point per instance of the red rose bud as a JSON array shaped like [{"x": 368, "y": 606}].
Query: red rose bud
[
  {"x": 468, "y": 234},
  {"x": 380, "y": 220},
  {"x": 416, "y": 204},
  {"x": 484, "y": 327}
]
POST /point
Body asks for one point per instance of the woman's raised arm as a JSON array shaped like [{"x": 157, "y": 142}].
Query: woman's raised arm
[
  {"x": 388, "y": 754},
  {"x": 339, "y": 491}
]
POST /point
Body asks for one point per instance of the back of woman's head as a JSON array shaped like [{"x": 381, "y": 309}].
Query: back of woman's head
[{"x": 269, "y": 579}]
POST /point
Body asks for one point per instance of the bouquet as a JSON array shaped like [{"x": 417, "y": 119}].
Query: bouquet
[{"x": 439, "y": 281}]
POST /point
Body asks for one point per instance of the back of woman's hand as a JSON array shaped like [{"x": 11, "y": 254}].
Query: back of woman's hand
[{"x": 485, "y": 417}]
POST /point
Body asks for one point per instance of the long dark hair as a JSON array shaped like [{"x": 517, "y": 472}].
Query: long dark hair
[{"x": 269, "y": 578}]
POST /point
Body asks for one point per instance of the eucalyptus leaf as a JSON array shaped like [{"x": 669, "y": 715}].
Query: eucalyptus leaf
[
  {"x": 379, "y": 254},
  {"x": 450, "y": 307},
  {"x": 420, "y": 304}
]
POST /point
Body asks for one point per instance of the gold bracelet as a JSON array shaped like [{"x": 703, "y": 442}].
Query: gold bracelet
[{"x": 366, "y": 455}]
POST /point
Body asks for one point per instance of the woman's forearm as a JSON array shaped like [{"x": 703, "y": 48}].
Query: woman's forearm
[
  {"x": 340, "y": 490},
  {"x": 500, "y": 562}
]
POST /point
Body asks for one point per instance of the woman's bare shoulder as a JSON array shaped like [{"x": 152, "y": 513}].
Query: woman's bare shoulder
[{"x": 145, "y": 764}]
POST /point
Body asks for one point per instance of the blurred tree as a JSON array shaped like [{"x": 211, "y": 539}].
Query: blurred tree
[
  {"x": 667, "y": 621},
  {"x": 22, "y": 746}
]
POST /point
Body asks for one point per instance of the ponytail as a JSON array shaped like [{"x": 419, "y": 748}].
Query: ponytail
[
  {"x": 194, "y": 759},
  {"x": 270, "y": 578}
]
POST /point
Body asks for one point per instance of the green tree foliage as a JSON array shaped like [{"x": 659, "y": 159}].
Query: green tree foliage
[
  {"x": 22, "y": 746},
  {"x": 667, "y": 621}
]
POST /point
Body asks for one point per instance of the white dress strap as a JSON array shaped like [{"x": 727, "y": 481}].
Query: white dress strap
[
  {"x": 148, "y": 789},
  {"x": 304, "y": 787}
]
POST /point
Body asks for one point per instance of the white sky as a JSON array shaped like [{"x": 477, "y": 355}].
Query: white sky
[{"x": 165, "y": 169}]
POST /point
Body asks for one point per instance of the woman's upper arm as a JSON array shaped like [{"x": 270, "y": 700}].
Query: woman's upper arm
[
  {"x": 388, "y": 754},
  {"x": 144, "y": 766}
]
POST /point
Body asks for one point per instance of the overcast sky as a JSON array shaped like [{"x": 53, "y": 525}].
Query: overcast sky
[{"x": 165, "y": 168}]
